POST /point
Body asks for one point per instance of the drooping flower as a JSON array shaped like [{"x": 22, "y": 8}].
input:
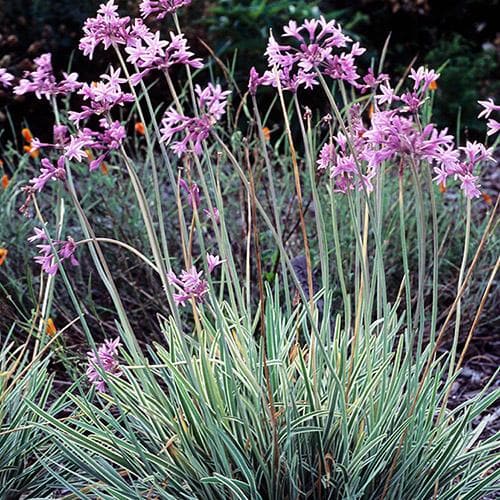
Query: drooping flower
[
  {"x": 193, "y": 192},
  {"x": 107, "y": 28},
  {"x": 189, "y": 285},
  {"x": 104, "y": 142},
  {"x": 104, "y": 360},
  {"x": 5, "y": 78},
  {"x": 326, "y": 157},
  {"x": 42, "y": 80},
  {"x": 48, "y": 172},
  {"x": 161, "y": 7},
  {"x": 65, "y": 250},
  {"x": 212, "y": 102}
]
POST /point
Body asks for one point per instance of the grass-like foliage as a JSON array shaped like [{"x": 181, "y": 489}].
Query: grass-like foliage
[
  {"x": 26, "y": 452},
  {"x": 268, "y": 286},
  {"x": 196, "y": 420}
]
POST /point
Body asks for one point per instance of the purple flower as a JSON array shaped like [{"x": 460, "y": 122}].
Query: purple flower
[
  {"x": 193, "y": 193},
  {"x": 215, "y": 217},
  {"x": 65, "y": 250},
  {"x": 314, "y": 46},
  {"x": 213, "y": 261},
  {"x": 5, "y": 78},
  {"x": 110, "y": 138},
  {"x": 42, "y": 81},
  {"x": 326, "y": 158},
  {"x": 371, "y": 81},
  {"x": 469, "y": 185},
  {"x": 493, "y": 127},
  {"x": 102, "y": 96},
  {"x": 489, "y": 107},
  {"x": 387, "y": 95},
  {"x": 148, "y": 52},
  {"x": 107, "y": 28},
  {"x": 189, "y": 285},
  {"x": 161, "y": 7},
  {"x": 255, "y": 80},
  {"x": 347, "y": 171},
  {"x": 423, "y": 78},
  {"x": 49, "y": 172},
  {"x": 212, "y": 102},
  {"x": 105, "y": 360}
]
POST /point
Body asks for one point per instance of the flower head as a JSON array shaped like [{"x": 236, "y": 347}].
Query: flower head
[
  {"x": 212, "y": 102},
  {"x": 189, "y": 285},
  {"x": 42, "y": 81},
  {"x": 161, "y": 7},
  {"x": 104, "y": 360},
  {"x": 315, "y": 45},
  {"x": 107, "y": 28},
  {"x": 102, "y": 96},
  {"x": 148, "y": 52},
  {"x": 48, "y": 172},
  {"x": 65, "y": 249}
]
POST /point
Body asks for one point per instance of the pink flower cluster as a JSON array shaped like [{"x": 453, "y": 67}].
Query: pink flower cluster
[
  {"x": 107, "y": 28},
  {"x": 190, "y": 284},
  {"x": 42, "y": 81},
  {"x": 346, "y": 157},
  {"x": 316, "y": 46},
  {"x": 147, "y": 52},
  {"x": 212, "y": 102},
  {"x": 161, "y": 7},
  {"x": 102, "y": 96},
  {"x": 65, "y": 250},
  {"x": 395, "y": 135},
  {"x": 105, "y": 360}
]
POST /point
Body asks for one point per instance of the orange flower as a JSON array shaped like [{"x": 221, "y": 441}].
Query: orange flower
[
  {"x": 370, "y": 111},
  {"x": 266, "y": 133},
  {"x": 34, "y": 153},
  {"x": 140, "y": 128},
  {"x": 487, "y": 198},
  {"x": 442, "y": 187},
  {"x": 50, "y": 328},
  {"x": 26, "y": 133},
  {"x": 433, "y": 85},
  {"x": 90, "y": 155},
  {"x": 3, "y": 255},
  {"x": 5, "y": 181},
  {"x": 104, "y": 168}
]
